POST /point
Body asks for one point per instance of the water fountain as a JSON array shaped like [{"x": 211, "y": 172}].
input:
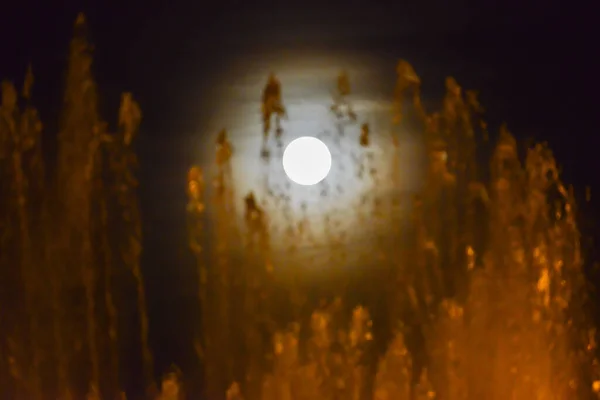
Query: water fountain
[
  {"x": 469, "y": 288},
  {"x": 480, "y": 293},
  {"x": 61, "y": 257}
]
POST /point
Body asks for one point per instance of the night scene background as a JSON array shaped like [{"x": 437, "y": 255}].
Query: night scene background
[{"x": 191, "y": 65}]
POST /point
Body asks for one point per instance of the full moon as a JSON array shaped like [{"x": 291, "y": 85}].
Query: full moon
[{"x": 306, "y": 161}]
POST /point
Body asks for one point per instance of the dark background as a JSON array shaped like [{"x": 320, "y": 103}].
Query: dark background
[{"x": 533, "y": 62}]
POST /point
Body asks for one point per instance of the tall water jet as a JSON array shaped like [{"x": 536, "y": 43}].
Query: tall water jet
[
  {"x": 21, "y": 130},
  {"x": 123, "y": 162},
  {"x": 77, "y": 160}
]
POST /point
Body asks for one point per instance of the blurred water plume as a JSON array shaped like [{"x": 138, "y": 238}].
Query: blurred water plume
[
  {"x": 477, "y": 293},
  {"x": 70, "y": 244}
]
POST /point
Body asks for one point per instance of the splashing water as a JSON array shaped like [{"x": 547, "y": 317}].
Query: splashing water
[
  {"x": 479, "y": 293},
  {"x": 471, "y": 287}
]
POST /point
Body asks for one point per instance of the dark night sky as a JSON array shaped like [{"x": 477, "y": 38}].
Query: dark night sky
[{"x": 537, "y": 57}]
